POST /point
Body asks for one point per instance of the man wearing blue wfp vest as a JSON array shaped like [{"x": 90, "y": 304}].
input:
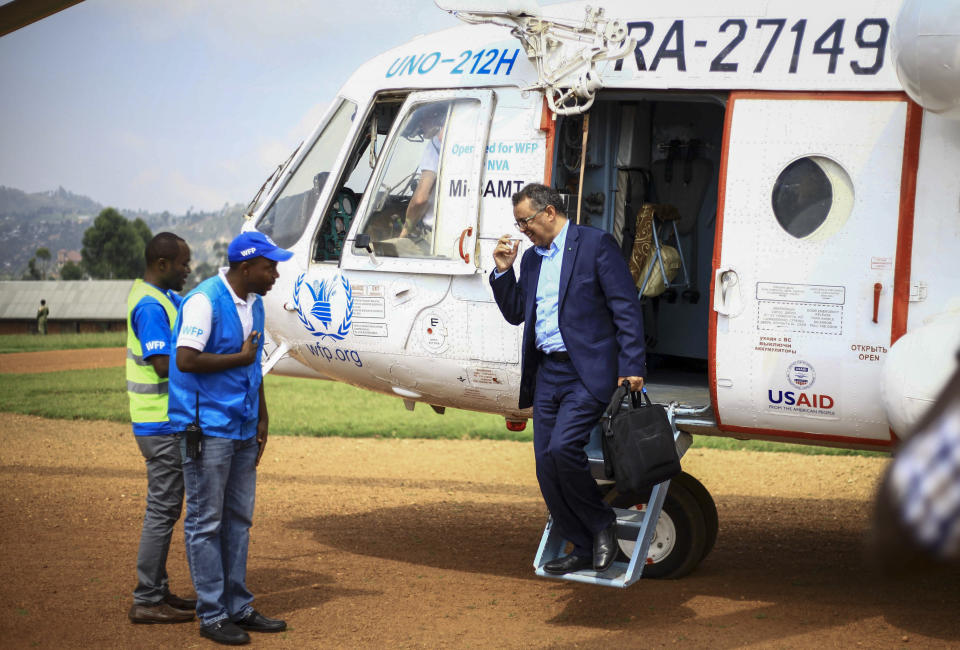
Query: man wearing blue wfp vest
[
  {"x": 151, "y": 312},
  {"x": 216, "y": 385}
]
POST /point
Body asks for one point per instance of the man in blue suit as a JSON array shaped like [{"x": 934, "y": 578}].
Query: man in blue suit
[{"x": 583, "y": 337}]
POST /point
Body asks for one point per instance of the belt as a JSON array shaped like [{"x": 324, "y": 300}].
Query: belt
[{"x": 556, "y": 356}]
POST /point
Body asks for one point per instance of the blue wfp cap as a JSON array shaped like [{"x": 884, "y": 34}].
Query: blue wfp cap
[{"x": 248, "y": 245}]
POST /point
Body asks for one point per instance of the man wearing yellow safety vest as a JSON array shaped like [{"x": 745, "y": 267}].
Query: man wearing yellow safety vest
[{"x": 151, "y": 312}]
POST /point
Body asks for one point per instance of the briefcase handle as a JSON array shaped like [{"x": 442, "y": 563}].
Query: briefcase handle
[{"x": 636, "y": 400}]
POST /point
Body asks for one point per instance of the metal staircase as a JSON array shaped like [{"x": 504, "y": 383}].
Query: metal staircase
[
  {"x": 638, "y": 526},
  {"x": 634, "y": 525}
]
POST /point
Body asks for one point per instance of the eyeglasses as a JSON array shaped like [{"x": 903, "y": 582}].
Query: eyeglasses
[{"x": 523, "y": 224}]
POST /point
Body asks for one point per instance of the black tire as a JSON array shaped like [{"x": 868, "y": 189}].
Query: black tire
[
  {"x": 678, "y": 546},
  {"x": 709, "y": 509}
]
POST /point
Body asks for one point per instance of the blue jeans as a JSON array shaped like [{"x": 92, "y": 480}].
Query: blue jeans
[{"x": 220, "y": 488}]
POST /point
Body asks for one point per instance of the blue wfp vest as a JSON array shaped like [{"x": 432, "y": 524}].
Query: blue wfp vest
[{"x": 229, "y": 400}]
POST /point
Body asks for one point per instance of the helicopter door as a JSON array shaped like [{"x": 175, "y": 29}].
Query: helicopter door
[
  {"x": 419, "y": 214},
  {"x": 804, "y": 263},
  {"x": 413, "y": 232}
]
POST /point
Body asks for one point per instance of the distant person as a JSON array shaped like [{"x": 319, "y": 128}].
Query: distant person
[
  {"x": 42, "y": 314},
  {"x": 151, "y": 312},
  {"x": 216, "y": 383}
]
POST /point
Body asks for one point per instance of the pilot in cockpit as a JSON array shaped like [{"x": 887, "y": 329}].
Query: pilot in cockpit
[{"x": 428, "y": 124}]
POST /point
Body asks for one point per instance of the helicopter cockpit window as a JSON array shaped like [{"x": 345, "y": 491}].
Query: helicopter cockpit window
[
  {"x": 287, "y": 217},
  {"x": 357, "y": 169},
  {"x": 406, "y": 217},
  {"x": 812, "y": 197}
]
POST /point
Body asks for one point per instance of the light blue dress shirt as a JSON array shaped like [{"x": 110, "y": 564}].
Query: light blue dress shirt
[{"x": 547, "y": 329}]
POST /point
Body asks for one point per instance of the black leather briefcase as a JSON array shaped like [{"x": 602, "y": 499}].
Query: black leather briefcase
[{"x": 639, "y": 449}]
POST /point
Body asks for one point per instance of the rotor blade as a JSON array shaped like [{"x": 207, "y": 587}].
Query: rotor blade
[{"x": 20, "y": 13}]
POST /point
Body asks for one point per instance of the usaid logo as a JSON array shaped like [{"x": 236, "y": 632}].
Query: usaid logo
[
  {"x": 801, "y": 374},
  {"x": 789, "y": 398}
]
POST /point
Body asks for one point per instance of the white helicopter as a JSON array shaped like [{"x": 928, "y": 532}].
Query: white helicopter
[{"x": 784, "y": 178}]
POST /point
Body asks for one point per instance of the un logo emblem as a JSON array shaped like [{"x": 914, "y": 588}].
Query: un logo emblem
[{"x": 330, "y": 312}]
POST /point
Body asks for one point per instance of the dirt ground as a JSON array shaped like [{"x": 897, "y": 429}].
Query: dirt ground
[
  {"x": 416, "y": 543},
  {"x": 30, "y": 362}
]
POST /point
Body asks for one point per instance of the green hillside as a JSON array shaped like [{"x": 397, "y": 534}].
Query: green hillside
[{"x": 57, "y": 220}]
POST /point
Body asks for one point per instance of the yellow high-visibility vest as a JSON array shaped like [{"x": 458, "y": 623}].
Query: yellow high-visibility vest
[{"x": 145, "y": 388}]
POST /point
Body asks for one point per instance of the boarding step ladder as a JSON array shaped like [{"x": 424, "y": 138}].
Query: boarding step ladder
[{"x": 638, "y": 526}]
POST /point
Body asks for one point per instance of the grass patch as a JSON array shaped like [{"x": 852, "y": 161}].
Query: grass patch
[
  {"x": 99, "y": 394},
  {"x": 35, "y": 342},
  {"x": 731, "y": 444},
  {"x": 307, "y": 407},
  {"x": 297, "y": 407}
]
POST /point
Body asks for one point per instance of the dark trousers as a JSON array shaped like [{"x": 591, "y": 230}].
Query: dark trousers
[
  {"x": 564, "y": 413},
  {"x": 164, "y": 504}
]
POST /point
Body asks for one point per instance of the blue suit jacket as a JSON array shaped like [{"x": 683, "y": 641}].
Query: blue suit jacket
[{"x": 599, "y": 313}]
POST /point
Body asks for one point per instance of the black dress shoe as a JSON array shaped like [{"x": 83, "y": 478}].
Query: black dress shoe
[
  {"x": 567, "y": 564},
  {"x": 225, "y": 632},
  {"x": 159, "y": 613},
  {"x": 257, "y": 622},
  {"x": 605, "y": 547},
  {"x": 180, "y": 603}
]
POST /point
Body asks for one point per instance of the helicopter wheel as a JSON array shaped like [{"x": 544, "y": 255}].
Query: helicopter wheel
[
  {"x": 685, "y": 531},
  {"x": 709, "y": 509}
]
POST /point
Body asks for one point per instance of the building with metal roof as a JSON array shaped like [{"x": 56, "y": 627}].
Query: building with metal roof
[{"x": 75, "y": 306}]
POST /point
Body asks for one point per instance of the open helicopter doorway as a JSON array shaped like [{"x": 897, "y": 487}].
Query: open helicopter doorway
[
  {"x": 649, "y": 176},
  {"x": 648, "y": 172}
]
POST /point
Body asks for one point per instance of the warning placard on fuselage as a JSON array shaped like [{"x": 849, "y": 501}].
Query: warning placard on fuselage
[{"x": 807, "y": 308}]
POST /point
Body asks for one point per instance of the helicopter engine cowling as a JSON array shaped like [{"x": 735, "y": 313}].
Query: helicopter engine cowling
[
  {"x": 917, "y": 367},
  {"x": 926, "y": 50}
]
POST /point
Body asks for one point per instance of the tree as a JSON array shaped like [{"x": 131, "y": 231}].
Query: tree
[
  {"x": 32, "y": 272},
  {"x": 113, "y": 246},
  {"x": 143, "y": 230},
  {"x": 71, "y": 271},
  {"x": 198, "y": 274},
  {"x": 220, "y": 249},
  {"x": 43, "y": 255}
]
